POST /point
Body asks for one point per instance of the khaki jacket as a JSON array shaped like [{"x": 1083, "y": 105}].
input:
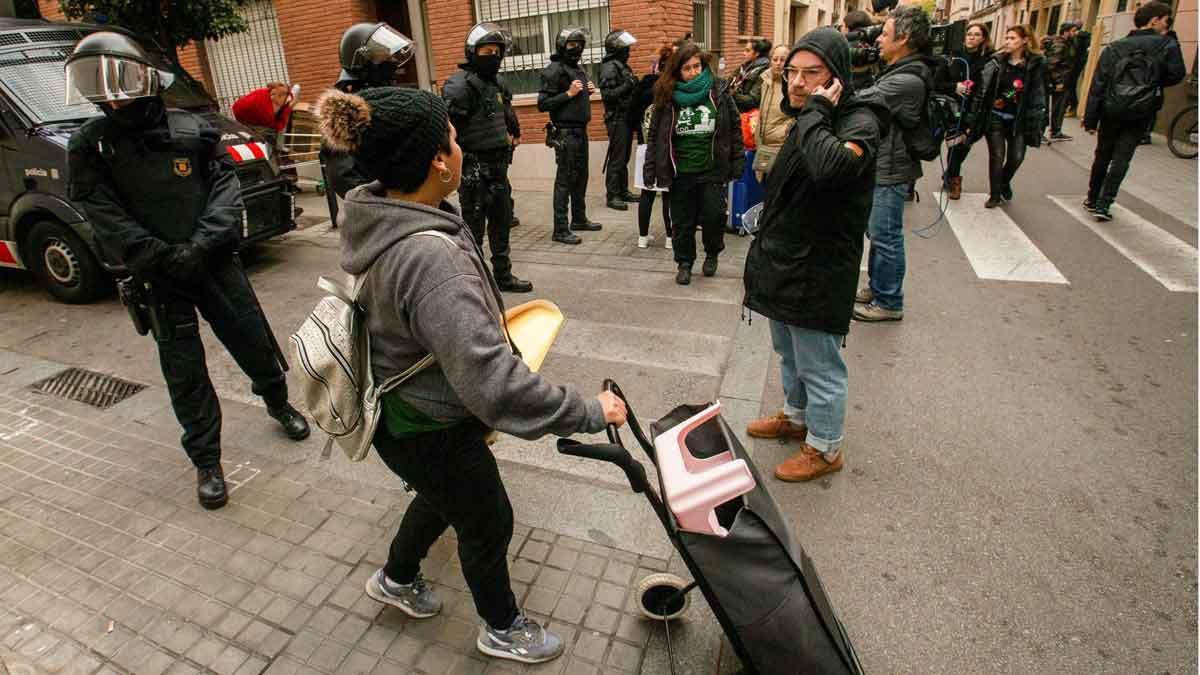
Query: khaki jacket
[{"x": 773, "y": 123}]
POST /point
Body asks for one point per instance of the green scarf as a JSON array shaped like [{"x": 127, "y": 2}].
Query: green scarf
[{"x": 689, "y": 94}]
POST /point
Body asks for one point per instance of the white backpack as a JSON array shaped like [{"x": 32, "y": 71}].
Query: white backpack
[{"x": 333, "y": 348}]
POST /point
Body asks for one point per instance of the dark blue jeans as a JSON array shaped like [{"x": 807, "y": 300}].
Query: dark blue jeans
[{"x": 885, "y": 264}]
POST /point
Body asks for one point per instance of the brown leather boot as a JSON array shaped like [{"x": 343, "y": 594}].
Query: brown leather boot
[
  {"x": 954, "y": 189},
  {"x": 776, "y": 426},
  {"x": 807, "y": 464}
]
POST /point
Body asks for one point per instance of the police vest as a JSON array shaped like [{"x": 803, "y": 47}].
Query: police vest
[
  {"x": 486, "y": 127},
  {"x": 162, "y": 174}
]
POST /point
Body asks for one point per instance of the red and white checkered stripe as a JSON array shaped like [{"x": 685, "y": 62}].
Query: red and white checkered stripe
[
  {"x": 8, "y": 255},
  {"x": 248, "y": 152}
]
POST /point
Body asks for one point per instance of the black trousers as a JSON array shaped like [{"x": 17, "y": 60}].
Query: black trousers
[
  {"x": 646, "y": 209},
  {"x": 486, "y": 198},
  {"x": 1058, "y": 108},
  {"x": 696, "y": 203},
  {"x": 1006, "y": 152},
  {"x": 954, "y": 160},
  {"x": 616, "y": 162},
  {"x": 223, "y": 296},
  {"x": 571, "y": 178},
  {"x": 458, "y": 485},
  {"x": 1115, "y": 145}
]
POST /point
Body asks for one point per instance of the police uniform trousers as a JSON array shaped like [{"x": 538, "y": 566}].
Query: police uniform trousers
[
  {"x": 616, "y": 164},
  {"x": 486, "y": 198},
  {"x": 223, "y": 296},
  {"x": 570, "y": 181}
]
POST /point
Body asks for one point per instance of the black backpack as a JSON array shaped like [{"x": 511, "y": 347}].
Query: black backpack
[
  {"x": 939, "y": 116},
  {"x": 1133, "y": 89}
]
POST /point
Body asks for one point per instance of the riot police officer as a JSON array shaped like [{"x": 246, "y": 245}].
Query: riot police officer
[
  {"x": 370, "y": 54},
  {"x": 481, "y": 110},
  {"x": 163, "y": 200},
  {"x": 617, "y": 83},
  {"x": 564, "y": 94}
]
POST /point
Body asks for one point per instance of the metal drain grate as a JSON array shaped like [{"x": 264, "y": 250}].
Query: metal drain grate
[{"x": 95, "y": 389}]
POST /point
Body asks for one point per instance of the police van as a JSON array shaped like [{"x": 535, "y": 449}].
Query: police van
[{"x": 40, "y": 228}]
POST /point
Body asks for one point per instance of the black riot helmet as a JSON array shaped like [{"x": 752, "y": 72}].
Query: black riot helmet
[
  {"x": 571, "y": 34},
  {"x": 618, "y": 40},
  {"x": 110, "y": 66},
  {"x": 487, "y": 33},
  {"x": 371, "y": 52}
]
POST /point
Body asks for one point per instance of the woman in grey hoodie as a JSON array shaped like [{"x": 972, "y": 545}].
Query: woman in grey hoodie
[{"x": 428, "y": 290}]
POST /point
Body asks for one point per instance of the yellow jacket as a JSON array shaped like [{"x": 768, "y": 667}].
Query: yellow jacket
[{"x": 773, "y": 123}]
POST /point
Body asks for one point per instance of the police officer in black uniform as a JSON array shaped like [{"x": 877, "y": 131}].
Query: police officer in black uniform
[
  {"x": 163, "y": 200},
  {"x": 617, "y": 83},
  {"x": 481, "y": 110},
  {"x": 370, "y": 54},
  {"x": 564, "y": 94}
]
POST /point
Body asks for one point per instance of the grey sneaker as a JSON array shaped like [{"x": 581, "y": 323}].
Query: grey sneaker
[
  {"x": 524, "y": 641},
  {"x": 416, "y": 599},
  {"x": 874, "y": 312},
  {"x": 864, "y": 296}
]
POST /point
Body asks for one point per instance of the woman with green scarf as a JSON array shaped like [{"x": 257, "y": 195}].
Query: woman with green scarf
[{"x": 694, "y": 148}]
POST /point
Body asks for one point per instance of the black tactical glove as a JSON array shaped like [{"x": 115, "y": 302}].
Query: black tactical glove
[
  {"x": 147, "y": 256},
  {"x": 185, "y": 262}
]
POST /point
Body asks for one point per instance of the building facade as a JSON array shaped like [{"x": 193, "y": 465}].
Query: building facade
[{"x": 296, "y": 41}]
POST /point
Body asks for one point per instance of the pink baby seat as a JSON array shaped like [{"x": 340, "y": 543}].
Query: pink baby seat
[{"x": 694, "y": 486}]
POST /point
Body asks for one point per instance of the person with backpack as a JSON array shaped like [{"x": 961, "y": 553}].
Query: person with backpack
[
  {"x": 957, "y": 78},
  {"x": 694, "y": 149},
  {"x": 1125, "y": 95},
  {"x": 1009, "y": 110},
  {"x": 904, "y": 85},
  {"x": 1060, "y": 62},
  {"x": 426, "y": 291},
  {"x": 617, "y": 84}
]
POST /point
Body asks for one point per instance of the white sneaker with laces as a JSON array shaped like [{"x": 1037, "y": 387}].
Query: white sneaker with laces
[
  {"x": 524, "y": 641},
  {"x": 643, "y": 242}
]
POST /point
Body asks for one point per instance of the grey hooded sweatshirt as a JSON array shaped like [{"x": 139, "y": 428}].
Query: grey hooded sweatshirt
[{"x": 425, "y": 294}]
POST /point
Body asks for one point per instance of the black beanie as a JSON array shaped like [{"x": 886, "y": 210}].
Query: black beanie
[{"x": 393, "y": 132}]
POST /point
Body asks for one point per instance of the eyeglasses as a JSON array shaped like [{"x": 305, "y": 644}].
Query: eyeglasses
[{"x": 815, "y": 73}]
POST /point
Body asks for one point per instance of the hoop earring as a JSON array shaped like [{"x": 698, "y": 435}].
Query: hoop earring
[{"x": 446, "y": 175}]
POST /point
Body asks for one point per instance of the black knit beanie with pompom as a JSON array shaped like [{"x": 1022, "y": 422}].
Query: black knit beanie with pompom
[{"x": 393, "y": 132}]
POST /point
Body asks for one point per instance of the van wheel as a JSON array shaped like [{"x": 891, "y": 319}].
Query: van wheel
[
  {"x": 658, "y": 597},
  {"x": 65, "y": 265}
]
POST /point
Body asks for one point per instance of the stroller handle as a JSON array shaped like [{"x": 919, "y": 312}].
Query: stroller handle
[
  {"x": 614, "y": 434},
  {"x": 611, "y": 453}
]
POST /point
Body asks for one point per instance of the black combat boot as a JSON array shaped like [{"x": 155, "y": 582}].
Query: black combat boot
[
  {"x": 617, "y": 204},
  {"x": 587, "y": 226},
  {"x": 684, "y": 276},
  {"x": 513, "y": 284},
  {"x": 293, "y": 423},
  {"x": 710, "y": 266},
  {"x": 565, "y": 236},
  {"x": 210, "y": 488}
]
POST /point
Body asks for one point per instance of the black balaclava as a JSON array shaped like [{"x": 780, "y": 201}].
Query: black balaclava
[
  {"x": 488, "y": 65},
  {"x": 622, "y": 54},
  {"x": 380, "y": 74},
  {"x": 572, "y": 55},
  {"x": 141, "y": 113}
]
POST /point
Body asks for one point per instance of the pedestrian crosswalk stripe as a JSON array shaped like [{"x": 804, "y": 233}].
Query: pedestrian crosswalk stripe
[
  {"x": 995, "y": 246},
  {"x": 1170, "y": 260},
  {"x": 680, "y": 350}
]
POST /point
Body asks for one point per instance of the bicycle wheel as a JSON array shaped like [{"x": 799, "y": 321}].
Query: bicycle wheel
[{"x": 1182, "y": 137}]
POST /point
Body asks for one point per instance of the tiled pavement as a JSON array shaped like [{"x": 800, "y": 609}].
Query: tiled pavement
[{"x": 107, "y": 565}]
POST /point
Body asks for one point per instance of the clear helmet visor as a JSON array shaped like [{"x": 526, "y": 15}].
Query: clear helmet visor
[
  {"x": 575, "y": 34},
  {"x": 489, "y": 34},
  {"x": 388, "y": 44},
  {"x": 621, "y": 40},
  {"x": 104, "y": 78}
]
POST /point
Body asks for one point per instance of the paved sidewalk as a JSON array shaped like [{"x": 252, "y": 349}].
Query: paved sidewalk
[{"x": 107, "y": 565}]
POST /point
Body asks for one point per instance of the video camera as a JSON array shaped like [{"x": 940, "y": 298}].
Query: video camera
[
  {"x": 948, "y": 39},
  {"x": 863, "y": 51}
]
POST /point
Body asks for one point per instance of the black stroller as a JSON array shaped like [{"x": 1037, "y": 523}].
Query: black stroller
[{"x": 735, "y": 542}]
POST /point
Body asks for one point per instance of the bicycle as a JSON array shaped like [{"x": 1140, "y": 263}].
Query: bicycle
[{"x": 1181, "y": 136}]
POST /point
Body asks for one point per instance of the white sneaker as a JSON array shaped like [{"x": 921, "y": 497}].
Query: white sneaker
[
  {"x": 643, "y": 242},
  {"x": 669, "y": 245}
]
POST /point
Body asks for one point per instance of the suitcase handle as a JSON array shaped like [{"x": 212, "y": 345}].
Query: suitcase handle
[
  {"x": 611, "y": 453},
  {"x": 614, "y": 435}
]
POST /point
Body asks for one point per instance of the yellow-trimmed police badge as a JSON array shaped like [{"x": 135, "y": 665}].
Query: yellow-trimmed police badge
[{"x": 183, "y": 166}]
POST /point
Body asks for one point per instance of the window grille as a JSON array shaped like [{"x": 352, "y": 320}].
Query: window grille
[{"x": 535, "y": 25}]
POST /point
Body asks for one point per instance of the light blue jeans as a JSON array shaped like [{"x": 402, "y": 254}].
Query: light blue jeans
[
  {"x": 814, "y": 382},
  {"x": 885, "y": 265}
]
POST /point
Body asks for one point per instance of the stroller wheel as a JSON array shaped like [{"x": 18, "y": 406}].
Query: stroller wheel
[{"x": 659, "y": 598}]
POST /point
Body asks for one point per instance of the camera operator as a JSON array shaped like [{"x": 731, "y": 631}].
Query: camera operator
[
  {"x": 957, "y": 78},
  {"x": 904, "y": 86},
  {"x": 861, "y": 32}
]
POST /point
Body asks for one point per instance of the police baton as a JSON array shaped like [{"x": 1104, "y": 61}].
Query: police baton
[{"x": 262, "y": 315}]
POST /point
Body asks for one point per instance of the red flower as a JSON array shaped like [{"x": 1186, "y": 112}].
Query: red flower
[{"x": 1018, "y": 85}]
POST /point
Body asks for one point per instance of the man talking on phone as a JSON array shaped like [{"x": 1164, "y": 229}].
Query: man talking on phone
[{"x": 802, "y": 269}]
